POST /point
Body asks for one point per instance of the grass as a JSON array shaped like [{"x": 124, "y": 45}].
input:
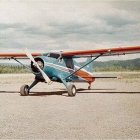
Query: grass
[
  {"x": 115, "y": 69},
  {"x": 20, "y": 69},
  {"x": 12, "y": 69}
]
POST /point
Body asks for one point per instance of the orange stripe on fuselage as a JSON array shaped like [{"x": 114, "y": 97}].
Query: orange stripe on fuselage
[{"x": 86, "y": 76}]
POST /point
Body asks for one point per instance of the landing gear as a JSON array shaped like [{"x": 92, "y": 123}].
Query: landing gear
[
  {"x": 89, "y": 87},
  {"x": 24, "y": 90},
  {"x": 71, "y": 90}
]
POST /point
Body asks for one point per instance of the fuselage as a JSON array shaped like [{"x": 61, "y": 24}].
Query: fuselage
[{"x": 59, "y": 68}]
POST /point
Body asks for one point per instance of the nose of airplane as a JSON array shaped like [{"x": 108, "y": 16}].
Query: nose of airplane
[{"x": 40, "y": 64}]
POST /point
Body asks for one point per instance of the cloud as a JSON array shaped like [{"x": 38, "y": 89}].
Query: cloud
[{"x": 49, "y": 25}]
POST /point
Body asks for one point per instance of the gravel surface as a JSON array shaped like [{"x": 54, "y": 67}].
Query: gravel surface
[{"x": 111, "y": 109}]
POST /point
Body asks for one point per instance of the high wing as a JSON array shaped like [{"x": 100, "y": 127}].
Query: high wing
[
  {"x": 84, "y": 53},
  {"x": 16, "y": 55},
  {"x": 103, "y": 52}
]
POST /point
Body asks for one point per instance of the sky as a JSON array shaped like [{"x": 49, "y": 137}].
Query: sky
[{"x": 46, "y": 25}]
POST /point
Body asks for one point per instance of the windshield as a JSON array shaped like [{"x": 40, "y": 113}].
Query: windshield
[{"x": 54, "y": 55}]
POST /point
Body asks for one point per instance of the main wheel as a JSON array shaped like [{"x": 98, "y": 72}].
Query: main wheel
[
  {"x": 72, "y": 90},
  {"x": 24, "y": 90}
]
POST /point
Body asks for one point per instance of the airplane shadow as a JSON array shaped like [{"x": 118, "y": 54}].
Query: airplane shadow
[
  {"x": 79, "y": 91},
  {"x": 9, "y": 91},
  {"x": 60, "y": 92},
  {"x": 83, "y": 91}
]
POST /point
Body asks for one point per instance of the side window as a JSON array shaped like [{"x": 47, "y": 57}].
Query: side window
[
  {"x": 69, "y": 63},
  {"x": 54, "y": 55}
]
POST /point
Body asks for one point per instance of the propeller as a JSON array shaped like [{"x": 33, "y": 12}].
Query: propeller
[{"x": 47, "y": 79}]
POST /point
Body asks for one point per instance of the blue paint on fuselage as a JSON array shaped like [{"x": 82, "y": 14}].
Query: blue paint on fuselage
[{"x": 57, "y": 70}]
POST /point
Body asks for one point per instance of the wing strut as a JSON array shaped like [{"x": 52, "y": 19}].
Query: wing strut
[
  {"x": 84, "y": 65},
  {"x": 22, "y": 64}
]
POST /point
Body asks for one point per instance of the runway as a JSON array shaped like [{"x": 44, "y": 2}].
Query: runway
[{"x": 111, "y": 109}]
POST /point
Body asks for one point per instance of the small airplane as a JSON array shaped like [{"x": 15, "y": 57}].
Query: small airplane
[{"x": 62, "y": 67}]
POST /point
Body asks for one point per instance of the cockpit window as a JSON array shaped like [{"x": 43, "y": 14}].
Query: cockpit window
[
  {"x": 54, "y": 55},
  {"x": 69, "y": 63}
]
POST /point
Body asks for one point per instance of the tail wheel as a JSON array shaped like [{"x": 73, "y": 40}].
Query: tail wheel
[
  {"x": 89, "y": 87},
  {"x": 24, "y": 90},
  {"x": 71, "y": 90}
]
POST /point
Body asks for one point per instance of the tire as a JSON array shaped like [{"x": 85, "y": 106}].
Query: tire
[
  {"x": 71, "y": 90},
  {"x": 24, "y": 90}
]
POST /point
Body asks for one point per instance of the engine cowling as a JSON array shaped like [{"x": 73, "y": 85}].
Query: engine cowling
[{"x": 40, "y": 62}]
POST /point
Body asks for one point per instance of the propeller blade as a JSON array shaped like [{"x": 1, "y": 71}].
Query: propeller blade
[{"x": 47, "y": 79}]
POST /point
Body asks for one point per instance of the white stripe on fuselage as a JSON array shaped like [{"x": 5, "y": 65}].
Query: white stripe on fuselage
[{"x": 63, "y": 68}]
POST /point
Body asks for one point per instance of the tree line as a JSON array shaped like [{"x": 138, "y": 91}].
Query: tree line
[{"x": 114, "y": 65}]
